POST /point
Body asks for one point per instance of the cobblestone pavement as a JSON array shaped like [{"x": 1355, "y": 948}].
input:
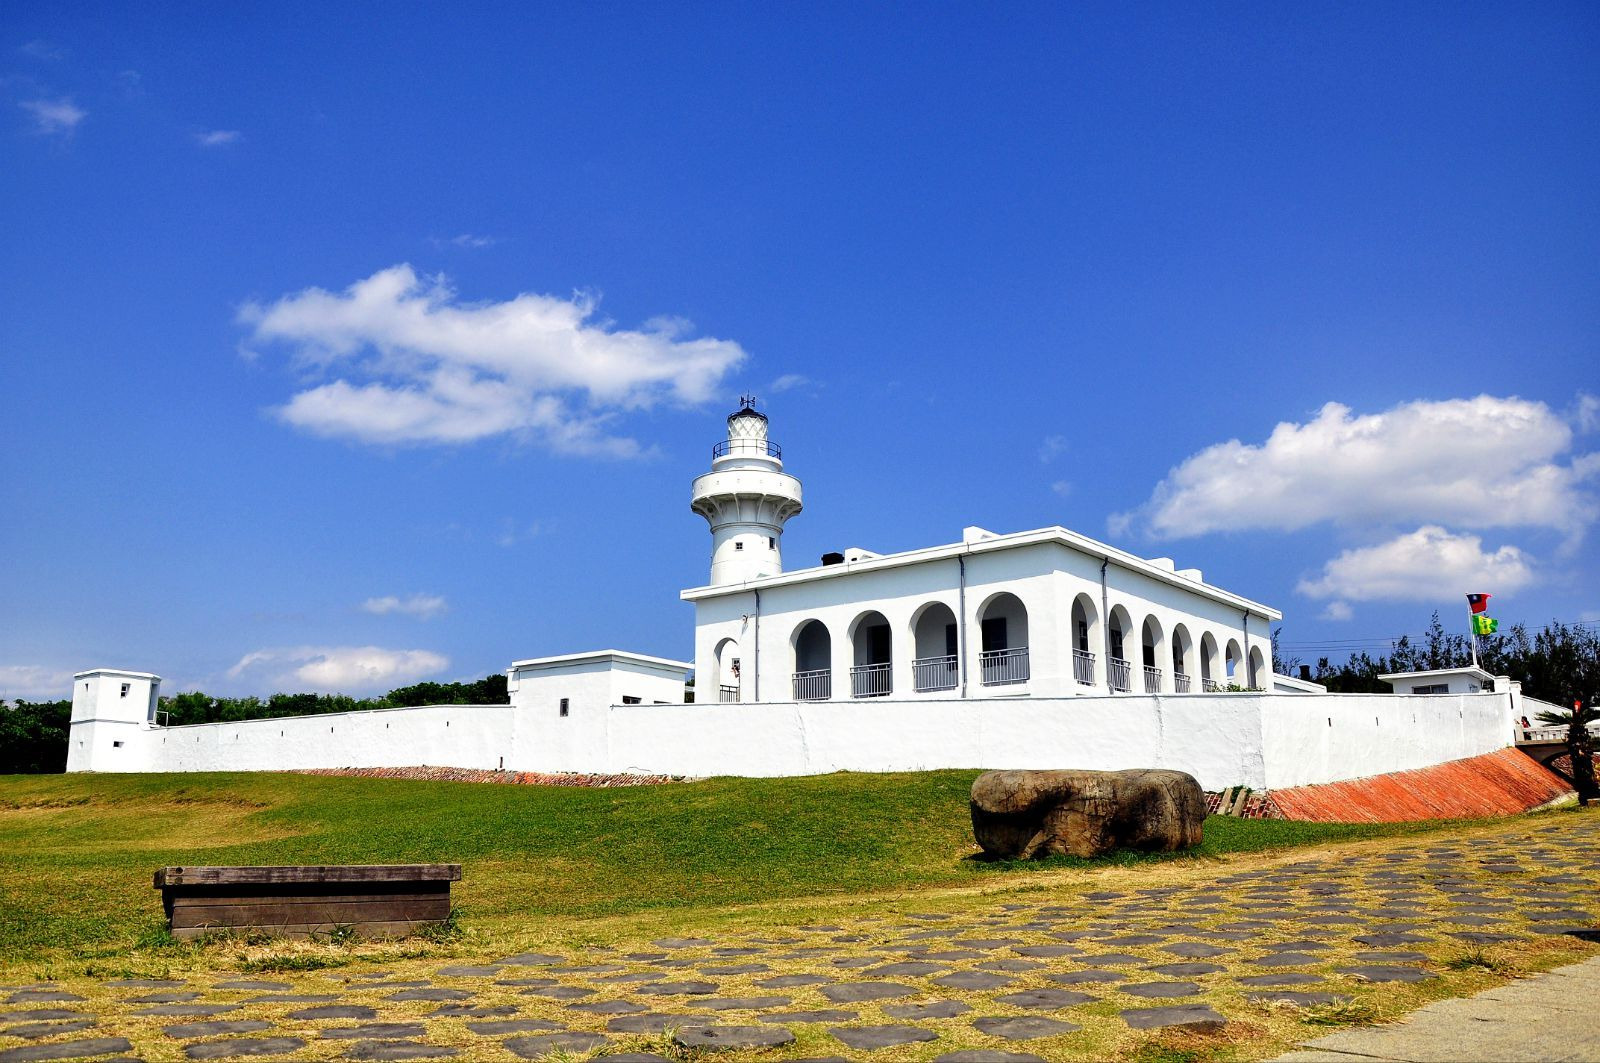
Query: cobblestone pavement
[{"x": 993, "y": 979}]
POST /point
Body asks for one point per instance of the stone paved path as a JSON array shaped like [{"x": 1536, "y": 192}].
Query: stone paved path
[
  {"x": 1552, "y": 1017},
  {"x": 1035, "y": 975}
]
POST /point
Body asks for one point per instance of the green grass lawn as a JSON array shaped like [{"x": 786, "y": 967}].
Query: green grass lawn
[{"x": 77, "y": 852}]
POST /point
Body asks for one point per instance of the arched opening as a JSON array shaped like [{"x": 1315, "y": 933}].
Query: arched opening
[
  {"x": 1258, "y": 667},
  {"x": 872, "y": 648},
  {"x": 1232, "y": 661},
  {"x": 1208, "y": 661},
  {"x": 813, "y": 662},
  {"x": 937, "y": 664},
  {"x": 1119, "y": 628},
  {"x": 1003, "y": 655},
  {"x": 727, "y": 661},
  {"x": 1182, "y": 653},
  {"x": 1085, "y": 637},
  {"x": 1150, "y": 639}
]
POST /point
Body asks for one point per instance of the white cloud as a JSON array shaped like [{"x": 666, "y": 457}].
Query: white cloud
[
  {"x": 467, "y": 240},
  {"x": 421, "y": 606},
  {"x": 511, "y": 533},
  {"x": 32, "y": 682},
  {"x": 1427, "y": 564},
  {"x": 337, "y": 669},
  {"x": 429, "y": 368},
  {"x": 1062, "y": 487},
  {"x": 1587, "y": 416},
  {"x": 51, "y": 117},
  {"x": 1337, "y": 610},
  {"x": 44, "y": 50},
  {"x": 788, "y": 382},
  {"x": 1480, "y": 463},
  {"x": 1052, "y": 448},
  {"x": 216, "y": 138}
]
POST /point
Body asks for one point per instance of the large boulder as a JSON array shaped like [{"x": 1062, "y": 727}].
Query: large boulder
[{"x": 1017, "y": 815}]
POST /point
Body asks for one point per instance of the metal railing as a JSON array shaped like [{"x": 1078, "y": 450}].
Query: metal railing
[
  {"x": 815, "y": 685},
  {"x": 1210, "y": 686},
  {"x": 1152, "y": 679},
  {"x": 1000, "y": 667},
  {"x": 1180, "y": 682},
  {"x": 727, "y": 693},
  {"x": 1121, "y": 675},
  {"x": 1083, "y": 667},
  {"x": 871, "y": 680},
  {"x": 730, "y": 447},
  {"x": 935, "y": 673}
]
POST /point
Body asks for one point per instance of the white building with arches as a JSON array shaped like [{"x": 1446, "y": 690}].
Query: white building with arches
[{"x": 1047, "y": 613}]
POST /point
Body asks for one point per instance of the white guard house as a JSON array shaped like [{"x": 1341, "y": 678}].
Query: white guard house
[
  {"x": 1468, "y": 679},
  {"x": 1047, "y": 613}
]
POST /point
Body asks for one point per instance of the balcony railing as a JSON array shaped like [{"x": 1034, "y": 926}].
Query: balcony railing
[
  {"x": 1083, "y": 667},
  {"x": 1000, "y": 667},
  {"x": 755, "y": 447},
  {"x": 1152, "y": 680},
  {"x": 1121, "y": 675},
  {"x": 727, "y": 693},
  {"x": 1210, "y": 686},
  {"x": 935, "y": 673},
  {"x": 871, "y": 681},
  {"x": 816, "y": 685},
  {"x": 1180, "y": 682}
]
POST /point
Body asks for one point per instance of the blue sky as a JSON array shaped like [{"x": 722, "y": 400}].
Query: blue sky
[{"x": 345, "y": 347}]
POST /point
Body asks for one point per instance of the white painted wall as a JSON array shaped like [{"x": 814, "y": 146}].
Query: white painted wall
[
  {"x": 1328, "y": 737},
  {"x": 457, "y": 736},
  {"x": 1258, "y": 740}
]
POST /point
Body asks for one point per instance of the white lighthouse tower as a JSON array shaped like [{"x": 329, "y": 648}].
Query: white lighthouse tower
[{"x": 746, "y": 497}]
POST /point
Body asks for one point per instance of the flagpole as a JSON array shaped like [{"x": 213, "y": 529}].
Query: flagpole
[{"x": 1472, "y": 632}]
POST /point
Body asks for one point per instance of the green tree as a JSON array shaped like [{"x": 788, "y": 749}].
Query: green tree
[
  {"x": 1580, "y": 744},
  {"x": 33, "y": 737}
]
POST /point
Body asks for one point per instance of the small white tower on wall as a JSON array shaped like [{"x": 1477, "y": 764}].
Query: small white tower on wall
[{"x": 746, "y": 498}]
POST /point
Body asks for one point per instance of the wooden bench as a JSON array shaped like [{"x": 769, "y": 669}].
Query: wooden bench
[{"x": 373, "y": 900}]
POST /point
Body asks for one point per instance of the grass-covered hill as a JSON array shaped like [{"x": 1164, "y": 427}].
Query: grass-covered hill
[{"x": 77, "y": 851}]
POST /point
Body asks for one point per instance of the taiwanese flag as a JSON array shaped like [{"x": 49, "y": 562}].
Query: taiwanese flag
[{"x": 1478, "y": 602}]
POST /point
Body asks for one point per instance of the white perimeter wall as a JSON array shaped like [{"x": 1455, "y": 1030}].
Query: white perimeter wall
[
  {"x": 1259, "y": 740},
  {"x": 457, "y": 736}
]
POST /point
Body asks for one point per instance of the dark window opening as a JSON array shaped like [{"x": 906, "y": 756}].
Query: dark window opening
[
  {"x": 626, "y": 700},
  {"x": 994, "y": 633},
  {"x": 117, "y": 744},
  {"x": 1083, "y": 636},
  {"x": 125, "y": 687},
  {"x": 738, "y": 546},
  {"x": 563, "y": 706},
  {"x": 772, "y": 542},
  {"x": 950, "y": 642}
]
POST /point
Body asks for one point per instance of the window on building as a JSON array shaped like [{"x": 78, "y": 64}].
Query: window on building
[
  {"x": 117, "y": 744},
  {"x": 564, "y": 706},
  {"x": 125, "y": 688},
  {"x": 951, "y": 643},
  {"x": 772, "y": 542},
  {"x": 738, "y": 546},
  {"x": 1432, "y": 688},
  {"x": 1083, "y": 636},
  {"x": 626, "y": 700}
]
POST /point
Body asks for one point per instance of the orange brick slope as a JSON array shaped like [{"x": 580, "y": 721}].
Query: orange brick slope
[{"x": 1496, "y": 784}]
